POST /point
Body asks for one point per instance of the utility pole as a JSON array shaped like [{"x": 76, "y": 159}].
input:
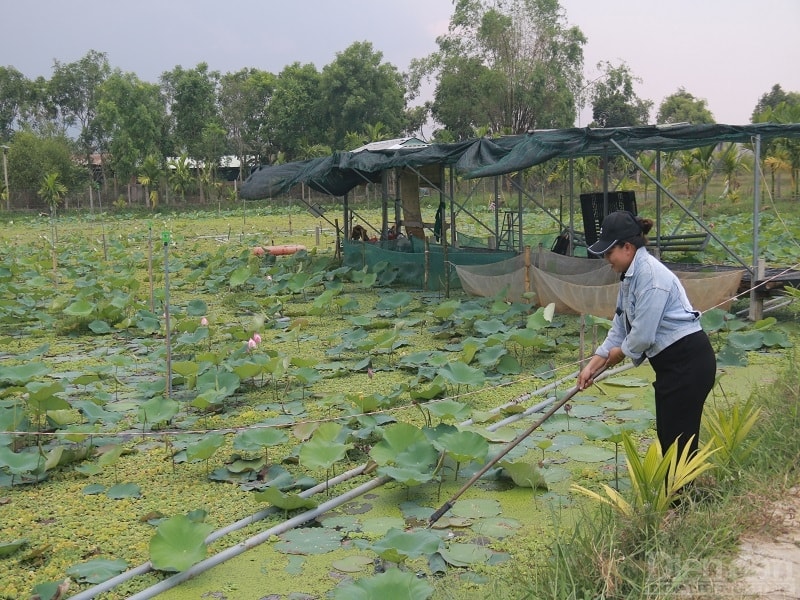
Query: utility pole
[{"x": 5, "y": 177}]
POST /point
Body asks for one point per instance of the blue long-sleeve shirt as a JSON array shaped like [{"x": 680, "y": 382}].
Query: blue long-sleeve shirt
[{"x": 653, "y": 311}]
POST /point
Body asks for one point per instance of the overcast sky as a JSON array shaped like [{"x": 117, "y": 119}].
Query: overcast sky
[{"x": 728, "y": 52}]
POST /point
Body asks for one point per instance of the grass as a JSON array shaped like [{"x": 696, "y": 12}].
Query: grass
[{"x": 608, "y": 556}]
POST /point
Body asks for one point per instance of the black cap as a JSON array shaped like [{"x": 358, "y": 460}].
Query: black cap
[{"x": 617, "y": 227}]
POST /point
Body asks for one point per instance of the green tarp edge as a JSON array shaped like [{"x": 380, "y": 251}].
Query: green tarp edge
[{"x": 339, "y": 173}]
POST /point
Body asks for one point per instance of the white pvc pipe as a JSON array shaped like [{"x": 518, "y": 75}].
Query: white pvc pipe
[
  {"x": 526, "y": 396},
  {"x": 545, "y": 403},
  {"x": 214, "y": 535},
  {"x": 254, "y": 541}
]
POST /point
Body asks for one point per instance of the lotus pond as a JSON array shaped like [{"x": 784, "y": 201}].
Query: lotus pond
[{"x": 286, "y": 375}]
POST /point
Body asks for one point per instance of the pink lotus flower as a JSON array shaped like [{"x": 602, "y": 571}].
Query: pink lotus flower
[
  {"x": 256, "y": 338},
  {"x": 204, "y": 322},
  {"x": 251, "y": 344},
  {"x": 370, "y": 373}
]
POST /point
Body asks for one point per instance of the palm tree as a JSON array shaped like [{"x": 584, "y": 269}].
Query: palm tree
[
  {"x": 149, "y": 175},
  {"x": 777, "y": 161},
  {"x": 52, "y": 192},
  {"x": 180, "y": 176},
  {"x": 731, "y": 164},
  {"x": 376, "y": 132}
]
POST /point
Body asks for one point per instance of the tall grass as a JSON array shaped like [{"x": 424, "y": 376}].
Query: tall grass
[{"x": 607, "y": 555}]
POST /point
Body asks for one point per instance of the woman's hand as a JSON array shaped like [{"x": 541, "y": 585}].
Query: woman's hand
[{"x": 586, "y": 376}]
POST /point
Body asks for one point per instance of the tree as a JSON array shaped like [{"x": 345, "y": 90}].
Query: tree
[
  {"x": 52, "y": 191},
  {"x": 192, "y": 100},
  {"x": 150, "y": 173},
  {"x": 132, "y": 118},
  {"x": 358, "y": 89},
  {"x": 771, "y": 100},
  {"x": 244, "y": 105},
  {"x": 416, "y": 117},
  {"x": 293, "y": 116},
  {"x": 33, "y": 155},
  {"x": 683, "y": 107},
  {"x": 74, "y": 91},
  {"x": 13, "y": 92},
  {"x": 785, "y": 149},
  {"x": 513, "y": 66},
  {"x": 179, "y": 175},
  {"x": 614, "y": 102}
]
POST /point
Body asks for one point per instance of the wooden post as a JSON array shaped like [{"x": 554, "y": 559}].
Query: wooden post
[
  {"x": 427, "y": 263},
  {"x": 527, "y": 269},
  {"x": 756, "y": 297}
]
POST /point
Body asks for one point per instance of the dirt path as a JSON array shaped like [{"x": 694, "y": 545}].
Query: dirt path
[{"x": 771, "y": 565}]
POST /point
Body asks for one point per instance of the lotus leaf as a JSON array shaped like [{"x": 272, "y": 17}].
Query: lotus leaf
[
  {"x": 446, "y": 309},
  {"x": 464, "y": 446},
  {"x": 254, "y": 440},
  {"x": 196, "y": 308},
  {"x": 489, "y": 357},
  {"x": 353, "y": 564},
  {"x": 323, "y": 450},
  {"x": 97, "y": 570},
  {"x": 459, "y": 373},
  {"x": 585, "y": 410},
  {"x": 777, "y": 338},
  {"x": 496, "y": 527},
  {"x": 178, "y": 543},
  {"x": 284, "y": 501},
  {"x": 404, "y": 444},
  {"x": 409, "y": 475},
  {"x": 543, "y": 317},
  {"x": 589, "y": 453},
  {"x": 748, "y": 340},
  {"x": 124, "y": 490},
  {"x": 22, "y": 374},
  {"x": 434, "y": 390},
  {"x": 524, "y": 474},
  {"x": 100, "y": 327},
  {"x": 396, "y": 546},
  {"x": 476, "y": 507},
  {"x": 731, "y": 356},
  {"x": 490, "y": 326},
  {"x": 599, "y": 431},
  {"x": 713, "y": 320},
  {"x": 449, "y": 409},
  {"x": 158, "y": 409},
  {"x": 205, "y": 448},
  {"x": 80, "y": 308},
  {"x": 22, "y": 462},
  {"x": 626, "y": 381},
  {"x": 240, "y": 276},
  {"x": 394, "y": 301},
  {"x": 314, "y": 540},
  {"x": 42, "y": 396},
  {"x": 465, "y": 555},
  {"x": 394, "y": 584},
  {"x": 8, "y": 548}
]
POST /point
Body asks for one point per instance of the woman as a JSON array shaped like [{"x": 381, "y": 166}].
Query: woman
[{"x": 654, "y": 320}]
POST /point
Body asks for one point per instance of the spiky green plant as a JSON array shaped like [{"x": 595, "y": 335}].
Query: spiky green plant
[
  {"x": 727, "y": 430},
  {"x": 656, "y": 480}
]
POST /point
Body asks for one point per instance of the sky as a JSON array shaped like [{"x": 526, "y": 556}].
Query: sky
[{"x": 727, "y": 52}]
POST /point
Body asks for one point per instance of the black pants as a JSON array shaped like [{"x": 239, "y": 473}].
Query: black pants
[{"x": 685, "y": 374}]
